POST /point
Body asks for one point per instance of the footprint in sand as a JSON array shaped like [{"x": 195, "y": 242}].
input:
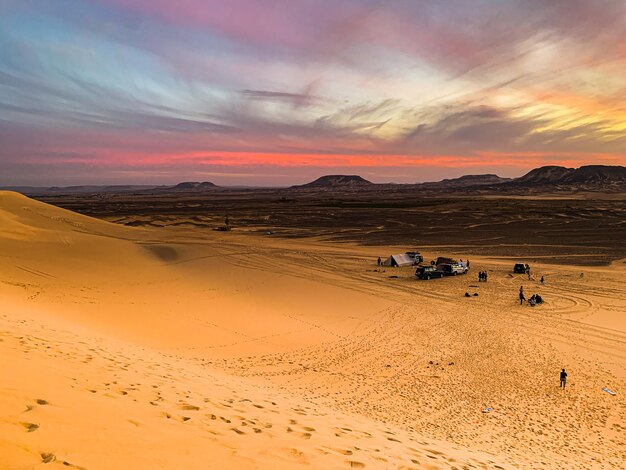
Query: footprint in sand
[
  {"x": 67, "y": 464},
  {"x": 30, "y": 427},
  {"x": 341, "y": 451},
  {"x": 188, "y": 407},
  {"x": 433, "y": 451},
  {"x": 355, "y": 464},
  {"x": 47, "y": 457}
]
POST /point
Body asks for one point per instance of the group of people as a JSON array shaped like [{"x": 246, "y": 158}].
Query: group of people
[
  {"x": 482, "y": 276},
  {"x": 534, "y": 299}
]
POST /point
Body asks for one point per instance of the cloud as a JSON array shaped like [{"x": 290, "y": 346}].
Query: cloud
[{"x": 296, "y": 100}]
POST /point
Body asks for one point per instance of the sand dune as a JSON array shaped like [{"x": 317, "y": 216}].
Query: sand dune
[{"x": 177, "y": 348}]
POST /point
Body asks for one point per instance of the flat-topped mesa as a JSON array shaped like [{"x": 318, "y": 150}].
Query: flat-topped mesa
[
  {"x": 467, "y": 181},
  {"x": 193, "y": 186},
  {"x": 337, "y": 181}
]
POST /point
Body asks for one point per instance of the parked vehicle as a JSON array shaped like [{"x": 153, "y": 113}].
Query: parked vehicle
[
  {"x": 519, "y": 268},
  {"x": 452, "y": 269},
  {"x": 428, "y": 272},
  {"x": 443, "y": 260},
  {"x": 417, "y": 257}
]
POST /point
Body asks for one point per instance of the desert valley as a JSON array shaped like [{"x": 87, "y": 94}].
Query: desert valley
[
  {"x": 277, "y": 234},
  {"x": 137, "y": 331}
]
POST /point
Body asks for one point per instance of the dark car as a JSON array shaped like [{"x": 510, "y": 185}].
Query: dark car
[
  {"x": 428, "y": 272},
  {"x": 443, "y": 260},
  {"x": 519, "y": 268}
]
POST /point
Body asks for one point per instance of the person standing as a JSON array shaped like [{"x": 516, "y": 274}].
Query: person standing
[
  {"x": 563, "y": 378},
  {"x": 380, "y": 261},
  {"x": 521, "y": 295},
  {"x": 543, "y": 281}
]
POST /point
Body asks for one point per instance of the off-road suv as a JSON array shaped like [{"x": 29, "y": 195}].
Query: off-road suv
[
  {"x": 453, "y": 269},
  {"x": 519, "y": 268},
  {"x": 428, "y": 272},
  {"x": 415, "y": 256}
]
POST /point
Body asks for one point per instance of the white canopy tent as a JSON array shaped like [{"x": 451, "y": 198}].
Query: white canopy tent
[{"x": 399, "y": 260}]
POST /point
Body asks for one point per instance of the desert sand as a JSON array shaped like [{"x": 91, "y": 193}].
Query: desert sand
[{"x": 174, "y": 347}]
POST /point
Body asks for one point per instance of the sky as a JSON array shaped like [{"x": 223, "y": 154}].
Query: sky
[{"x": 279, "y": 92}]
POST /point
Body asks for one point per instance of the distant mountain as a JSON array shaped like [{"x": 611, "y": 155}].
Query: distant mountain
[
  {"x": 597, "y": 174},
  {"x": 190, "y": 186},
  {"x": 337, "y": 181},
  {"x": 193, "y": 186},
  {"x": 597, "y": 177},
  {"x": 84, "y": 189},
  {"x": 545, "y": 175},
  {"x": 467, "y": 181}
]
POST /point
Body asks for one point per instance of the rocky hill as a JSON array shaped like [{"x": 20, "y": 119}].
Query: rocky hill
[
  {"x": 467, "y": 181},
  {"x": 337, "y": 182},
  {"x": 193, "y": 186},
  {"x": 589, "y": 177}
]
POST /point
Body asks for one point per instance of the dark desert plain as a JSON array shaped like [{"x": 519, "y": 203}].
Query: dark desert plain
[{"x": 579, "y": 223}]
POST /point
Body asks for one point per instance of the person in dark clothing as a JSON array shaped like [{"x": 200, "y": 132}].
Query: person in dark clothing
[
  {"x": 563, "y": 378},
  {"x": 380, "y": 261},
  {"x": 521, "y": 295},
  {"x": 467, "y": 264}
]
